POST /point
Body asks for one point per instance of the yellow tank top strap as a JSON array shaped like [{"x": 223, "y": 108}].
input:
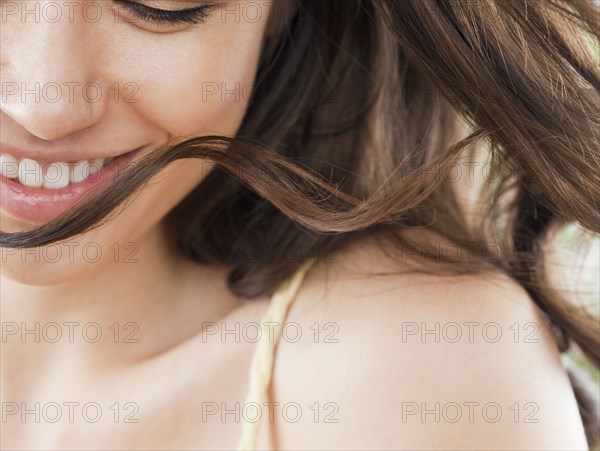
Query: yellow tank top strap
[{"x": 261, "y": 367}]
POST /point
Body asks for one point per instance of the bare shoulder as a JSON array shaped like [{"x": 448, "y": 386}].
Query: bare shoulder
[{"x": 418, "y": 361}]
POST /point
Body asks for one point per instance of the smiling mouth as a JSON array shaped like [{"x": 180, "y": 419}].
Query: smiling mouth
[
  {"x": 38, "y": 192},
  {"x": 59, "y": 175}
]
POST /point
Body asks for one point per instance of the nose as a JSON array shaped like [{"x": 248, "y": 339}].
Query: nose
[{"x": 51, "y": 85}]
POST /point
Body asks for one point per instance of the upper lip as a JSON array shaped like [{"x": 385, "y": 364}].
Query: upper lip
[{"x": 58, "y": 156}]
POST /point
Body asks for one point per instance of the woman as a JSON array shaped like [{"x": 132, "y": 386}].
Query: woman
[{"x": 295, "y": 224}]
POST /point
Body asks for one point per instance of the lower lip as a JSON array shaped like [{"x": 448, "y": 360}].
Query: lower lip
[{"x": 40, "y": 205}]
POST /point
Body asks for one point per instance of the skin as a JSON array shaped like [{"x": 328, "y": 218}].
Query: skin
[{"x": 178, "y": 365}]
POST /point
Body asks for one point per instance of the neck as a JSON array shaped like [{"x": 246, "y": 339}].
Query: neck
[{"x": 116, "y": 314}]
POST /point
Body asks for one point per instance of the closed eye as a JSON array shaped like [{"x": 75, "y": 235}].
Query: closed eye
[{"x": 172, "y": 17}]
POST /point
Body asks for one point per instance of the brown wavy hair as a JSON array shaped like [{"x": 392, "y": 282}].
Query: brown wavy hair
[{"x": 360, "y": 109}]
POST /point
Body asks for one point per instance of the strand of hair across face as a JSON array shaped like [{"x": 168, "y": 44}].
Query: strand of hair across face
[{"x": 261, "y": 367}]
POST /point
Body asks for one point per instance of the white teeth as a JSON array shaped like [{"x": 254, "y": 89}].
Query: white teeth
[
  {"x": 57, "y": 176},
  {"x": 9, "y": 166},
  {"x": 96, "y": 166},
  {"x": 80, "y": 171},
  {"x": 30, "y": 173}
]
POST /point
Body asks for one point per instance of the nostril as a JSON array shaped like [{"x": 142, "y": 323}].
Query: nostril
[{"x": 49, "y": 113}]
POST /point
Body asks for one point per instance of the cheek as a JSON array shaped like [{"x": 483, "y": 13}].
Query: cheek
[{"x": 203, "y": 90}]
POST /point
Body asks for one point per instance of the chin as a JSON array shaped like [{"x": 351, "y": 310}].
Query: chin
[
  {"x": 58, "y": 263},
  {"x": 33, "y": 270}
]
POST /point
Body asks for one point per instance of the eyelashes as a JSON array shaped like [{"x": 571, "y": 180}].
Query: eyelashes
[{"x": 175, "y": 17}]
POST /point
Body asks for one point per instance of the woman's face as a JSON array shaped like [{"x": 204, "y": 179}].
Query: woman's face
[{"x": 84, "y": 81}]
